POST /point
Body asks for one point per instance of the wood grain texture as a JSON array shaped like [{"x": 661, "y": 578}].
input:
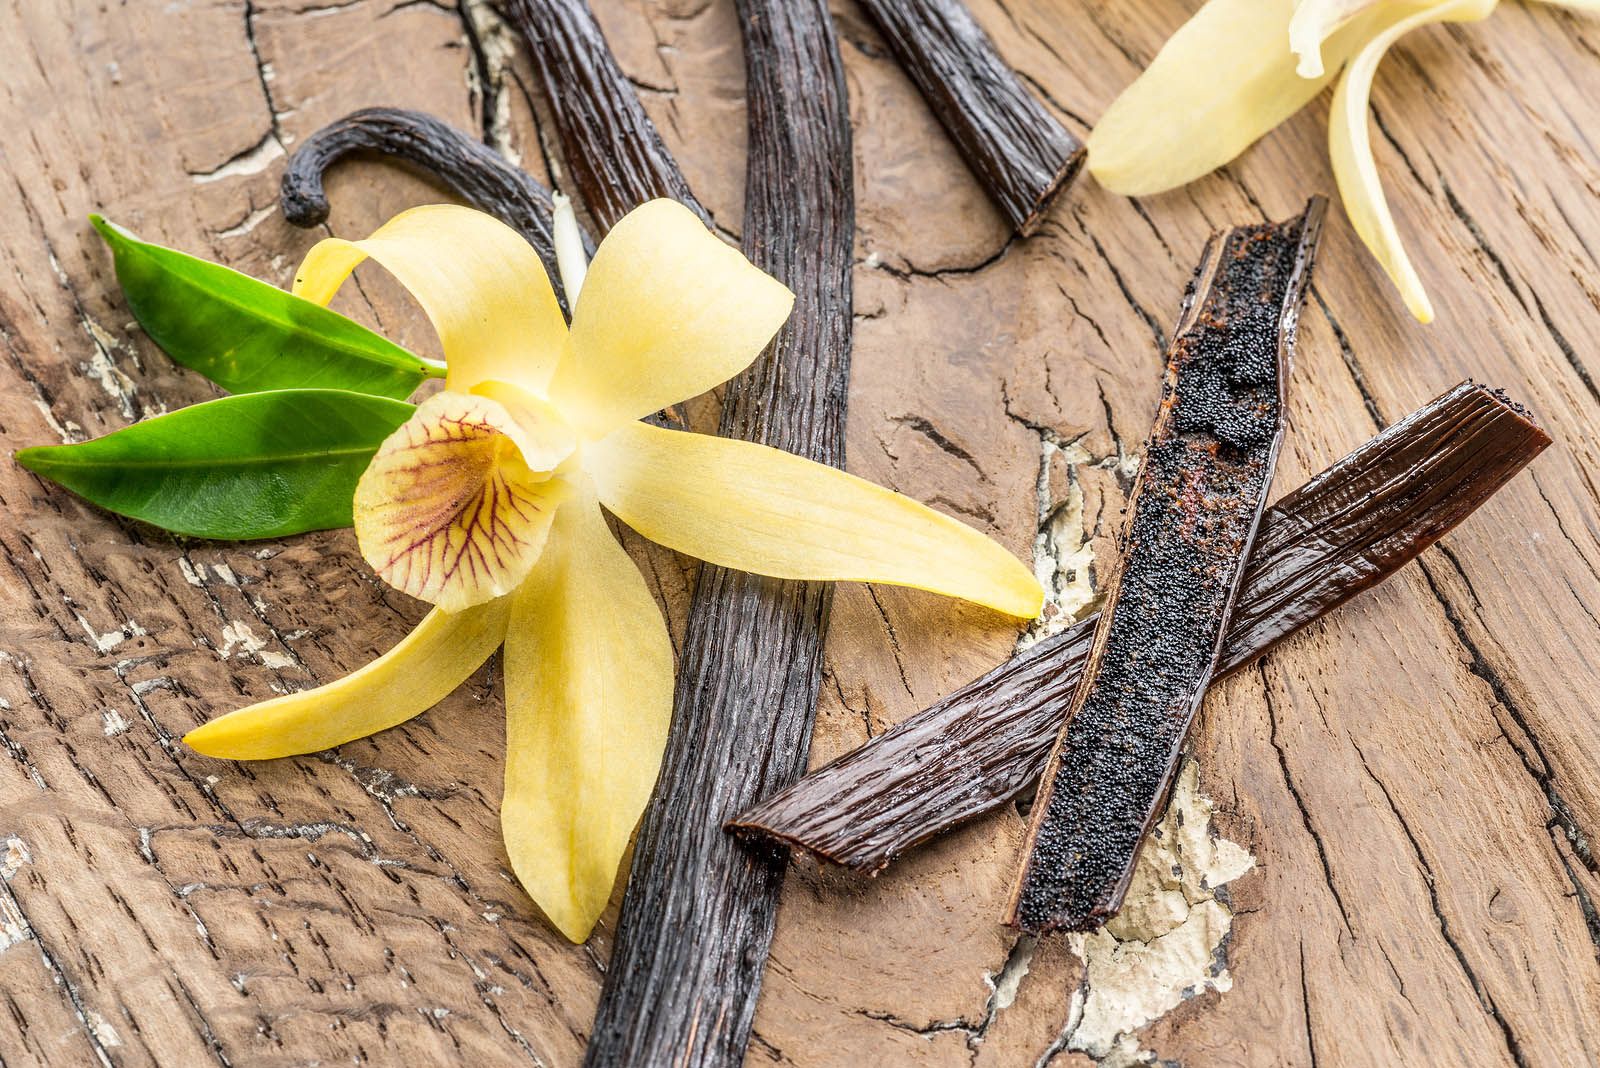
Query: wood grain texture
[{"x": 1416, "y": 776}]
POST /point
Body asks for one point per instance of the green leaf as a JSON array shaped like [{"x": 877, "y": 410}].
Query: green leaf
[
  {"x": 259, "y": 465},
  {"x": 248, "y": 336}
]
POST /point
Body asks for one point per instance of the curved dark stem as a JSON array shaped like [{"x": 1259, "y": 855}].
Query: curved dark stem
[{"x": 471, "y": 169}]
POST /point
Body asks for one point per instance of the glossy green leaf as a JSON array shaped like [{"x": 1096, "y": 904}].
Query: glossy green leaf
[
  {"x": 246, "y": 335},
  {"x": 259, "y": 465}
]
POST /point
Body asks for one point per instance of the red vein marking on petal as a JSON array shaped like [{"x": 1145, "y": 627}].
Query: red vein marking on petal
[{"x": 452, "y": 508}]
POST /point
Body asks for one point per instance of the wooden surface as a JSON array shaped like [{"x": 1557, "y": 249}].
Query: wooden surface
[{"x": 1395, "y": 805}]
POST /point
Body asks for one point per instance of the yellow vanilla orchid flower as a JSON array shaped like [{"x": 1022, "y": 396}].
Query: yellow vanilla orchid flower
[
  {"x": 487, "y": 504},
  {"x": 1238, "y": 68}
]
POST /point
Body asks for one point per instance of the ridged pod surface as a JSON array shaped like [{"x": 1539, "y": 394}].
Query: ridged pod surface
[{"x": 1020, "y": 152}]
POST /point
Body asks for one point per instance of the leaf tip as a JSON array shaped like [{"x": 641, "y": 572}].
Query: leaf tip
[
  {"x": 35, "y": 458},
  {"x": 107, "y": 229}
]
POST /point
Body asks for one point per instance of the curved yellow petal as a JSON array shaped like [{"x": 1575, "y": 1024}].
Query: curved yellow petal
[
  {"x": 668, "y": 310},
  {"x": 1225, "y": 79},
  {"x": 455, "y": 506},
  {"x": 482, "y": 285},
  {"x": 1314, "y": 22},
  {"x": 588, "y": 699},
  {"x": 766, "y": 511},
  {"x": 1350, "y": 146},
  {"x": 439, "y": 655}
]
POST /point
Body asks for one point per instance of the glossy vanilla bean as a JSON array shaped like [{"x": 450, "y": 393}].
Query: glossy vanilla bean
[
  {"x": 1342, "y": 533},
  {"x": 698, "y": 915},
  {"x": 610, "y": 147},
  {"x": 472, "y": 170},
  {"x": 1016, "y": 148}
]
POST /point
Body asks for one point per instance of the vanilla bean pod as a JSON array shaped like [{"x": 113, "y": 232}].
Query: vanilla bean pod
[
  {"x": 1344, "y": 532},
  {"x": 1192, "y": 519},
  {"x": 611, "y": 148},
  {"x": 472, "y": 170},
  {"x": 1017, "y": 149},
  {"x": 697, "y": 919}
]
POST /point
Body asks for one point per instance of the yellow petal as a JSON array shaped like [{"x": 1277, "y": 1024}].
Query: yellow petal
[
  {"x": 1350, "y": 146},
  {"x": 766, "y": 511},
  {"x": 1222, "y": 81},
  {"x": 668, "y": 310},
  {"x": 430, "y": 662},
  {"x": 588, "y": 699},
  {"x": 1314, "y": 22},
  {"x": 456, "y": 504},
  {"x": 482, "y": 285}
]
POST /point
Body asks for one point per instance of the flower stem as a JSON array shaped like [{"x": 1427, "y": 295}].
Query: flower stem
[{"x": 571, "y": 259}]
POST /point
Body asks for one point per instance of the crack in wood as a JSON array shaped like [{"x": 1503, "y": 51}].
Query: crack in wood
[{"x": 1485, "y": 999}]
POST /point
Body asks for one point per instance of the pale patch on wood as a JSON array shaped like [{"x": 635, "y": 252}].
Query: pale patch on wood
[
  {"x": 109, "y": 640},
  {"x": 1063, "y": 548},
  {"x": 238, "y": 637},
  {"x": 496, "y": 46},
  {"x": 252, "y": 160},
  {"x": 13, "y": 924},
  {"x": 1168, "y": 943},
  {"x": 13, "y": 857},
  {"x": 103, "y": 1031},
  {"x": 68, "y": 431}
]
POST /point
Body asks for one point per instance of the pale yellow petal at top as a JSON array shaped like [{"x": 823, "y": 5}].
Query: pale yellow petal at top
[
  {"x": 430, "y": 662},
  {"x": 668, "y": 310},
  {"x": 588, "y": 668},
  {"x": 766, "y": 511},
  {"x": 1223, "y": 80},
  {"x": 1315, "y": 21},
  {"x": 1350, "y": 147},
  {"x": 480, "y": 282},
  {"x": 456, "y": 504}
]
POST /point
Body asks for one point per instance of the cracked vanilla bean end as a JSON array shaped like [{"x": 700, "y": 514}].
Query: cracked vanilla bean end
[
  {"x": 1020, "y": 152},
  {"x": 1192, "y": 519},
  {"x": 472, "y": 170}
]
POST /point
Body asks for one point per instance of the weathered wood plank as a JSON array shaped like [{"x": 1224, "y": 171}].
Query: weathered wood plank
[{"x": 1406, "y": 775}]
